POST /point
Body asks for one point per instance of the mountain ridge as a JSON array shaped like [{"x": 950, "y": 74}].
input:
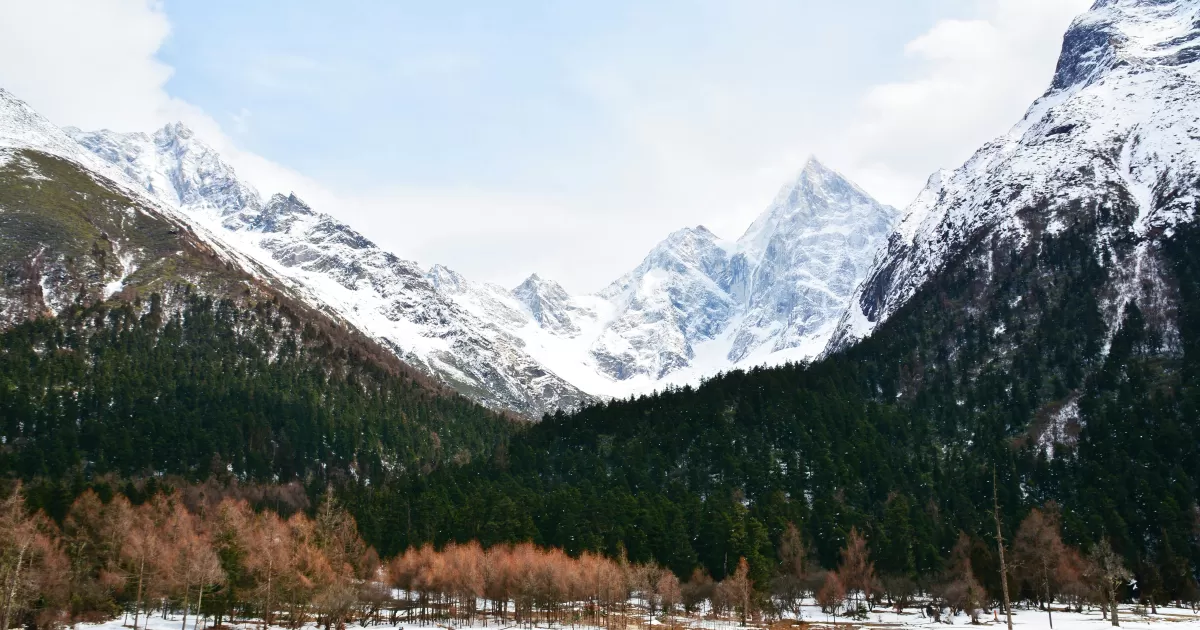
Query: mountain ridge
[
  {"x": 77, "y": 233},
  {"x": 522, "y": 349},
  {"x": 331, "y": 264},
  {"x": 1116, "y": 128}
]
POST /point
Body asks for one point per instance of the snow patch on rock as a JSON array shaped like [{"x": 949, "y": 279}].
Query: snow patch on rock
[{"x": 1120, "y": 126}]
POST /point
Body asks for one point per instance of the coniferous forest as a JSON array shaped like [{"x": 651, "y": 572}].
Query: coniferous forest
[
  {"x": 238, "y": 411},
  {"x": 902, "y": 451},
  {"x": 219, "y": 561},
  {"x": 213, "y": 389}
]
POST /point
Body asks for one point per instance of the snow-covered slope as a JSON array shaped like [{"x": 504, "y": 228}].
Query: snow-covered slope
[
  {"x": 695, "y": 306},
  {"x": 672, "y": 301},
  {"x": 805, "y": 256},
  {"x": 1118, "y": 131},
  {"x": 331, "y": 265},
  {"x": 75, "y": 229},
  {"x": 698, "y": 305}
]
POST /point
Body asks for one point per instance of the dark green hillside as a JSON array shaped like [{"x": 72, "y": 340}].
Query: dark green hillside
[
  {"x": 897, "y": 436},
  {"x": 214, "y": 388},
  {"x": 1003, "y": 364},
  {"x": 65, "y": 235}
]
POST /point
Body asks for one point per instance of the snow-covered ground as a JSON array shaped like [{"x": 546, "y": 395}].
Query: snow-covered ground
[{"x": 1024, "y": 619}]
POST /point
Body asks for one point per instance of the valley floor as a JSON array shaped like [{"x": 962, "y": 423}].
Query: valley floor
[{"x": 1023, "y": 619}]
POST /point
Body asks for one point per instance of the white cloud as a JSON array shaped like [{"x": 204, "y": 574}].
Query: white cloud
[
  {"x": 241, "y": 120},
  {"x": 975, "y": 79},
  {"x": 86, "y": 63},
  {"x": 92, "y": 64},
  {"x": 699, "y": 136}
]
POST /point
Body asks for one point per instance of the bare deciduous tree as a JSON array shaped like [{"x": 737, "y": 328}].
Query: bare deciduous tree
[
  {"x": 1038, "y": 554},
  {"x": 856, "y": 571},
  {"x": 960, "y": 588},
  {"x": 669, "y": 593},
  {"x": 832, "y": 594},
  {"x": 1108, "y": 571},
  {"x": 32, "y": 566},
  {"x": 697, "y": 590},
  {"x": 737, "y": 591}
]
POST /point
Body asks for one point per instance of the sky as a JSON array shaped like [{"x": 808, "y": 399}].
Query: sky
[{"x": 560, "y": 137}]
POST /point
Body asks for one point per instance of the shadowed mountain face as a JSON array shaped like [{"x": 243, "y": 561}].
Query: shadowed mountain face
[{"x": 1110, "y": 149}]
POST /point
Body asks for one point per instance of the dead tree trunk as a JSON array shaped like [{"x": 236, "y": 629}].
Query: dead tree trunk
[{"x": 1000, "y": 545}]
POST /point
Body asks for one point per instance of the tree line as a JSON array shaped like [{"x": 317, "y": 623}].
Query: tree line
[
  {"x": 216, "y": 389},
  {"x": 222, "y": 561},
  {"x": 897, "y": 437}
]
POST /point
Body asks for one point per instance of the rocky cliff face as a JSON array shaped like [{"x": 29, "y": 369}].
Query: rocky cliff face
[
  {"x": 696, "y": 305},
  {"x": 1110, "y": 149},
  {"x": 771, "y": 296},
  {"x": 337, "y": 269}
]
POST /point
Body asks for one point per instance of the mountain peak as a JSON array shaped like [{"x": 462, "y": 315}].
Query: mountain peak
[
  {"x": 176, "y": 130},
  {"x": 814, "y": 178},
  {"x": 291, "y": 200},
  {"x": 1135, "y": 32},
  {"x": 445, "y": 279},
  {"x": 539, "y": 285},
  {"x": 9, "y": 101},
  {"x": 548, "y": 303},
  {"x": 689, "y": 236},
  {"x": 22, "y": 127},
  {"x": 814, "y": 165},
  {"x": 817, "y": 196},
  {"x": 1125, "y": 86}
]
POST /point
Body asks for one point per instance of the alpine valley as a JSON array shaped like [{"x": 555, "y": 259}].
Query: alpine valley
[
  {"x": 694, "y": 307},
  {"x": 844, "y": 385}
]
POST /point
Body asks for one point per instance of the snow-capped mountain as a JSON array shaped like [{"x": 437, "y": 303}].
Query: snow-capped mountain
[
  {"x": 678, "y": 297},
  {"x": 549, "y": 305},
  {"x": 696, "y": 305},
  {"x": 332, "y": 266},
  {"x": 1113, "y": 142},
  {"x": 75, "y": 230},
  {"x": 804, "y": 258}
]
